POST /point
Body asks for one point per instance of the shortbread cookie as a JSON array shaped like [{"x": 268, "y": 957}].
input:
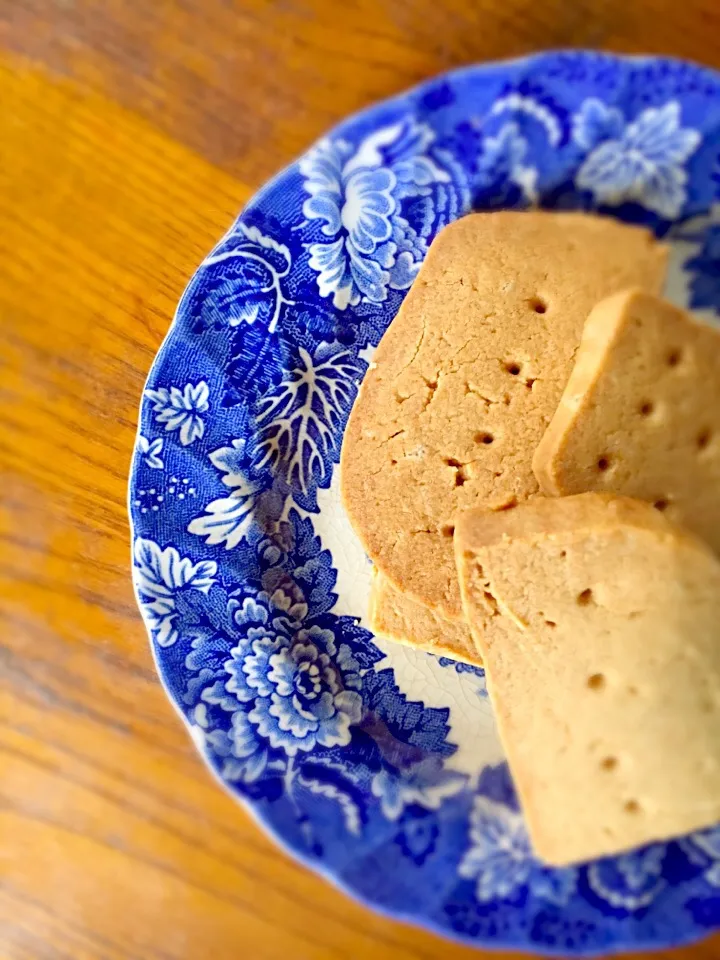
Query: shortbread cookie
[
  {"x": 599, "y": 623},
  {"x": 466, "y": 379},
  {"x": 395, "y": 616},
  {"x": 641, "y": 413}
]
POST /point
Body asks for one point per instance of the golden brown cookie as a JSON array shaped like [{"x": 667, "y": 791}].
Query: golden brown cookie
[
  {"x": 641, "y": 413},
  {"x": 599, "y": 620},
  {"x": 396, "y": 616},
  {"x": 467, "y": 377}
]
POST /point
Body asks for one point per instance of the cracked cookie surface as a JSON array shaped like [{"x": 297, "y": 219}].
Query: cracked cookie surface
[{"x": 467, "y": 377}]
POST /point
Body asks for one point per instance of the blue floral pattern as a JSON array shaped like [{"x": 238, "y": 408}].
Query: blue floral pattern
[
  {"x": 378, "y": 767},
  {"x": 162, "y": 578},
  {"x": 630, "y": 882},
  {"x": 642, "y": 161},
  {"x": 150, "y": 452},
  {"x": 703, "y": 850},
  {"x": 378, "y": 203},
  {"x": 500, "y": 861},
  {"x": 303, "y": 689},
  {"x": 228, "y": 519},
  {"x": 181, "y": 409}
]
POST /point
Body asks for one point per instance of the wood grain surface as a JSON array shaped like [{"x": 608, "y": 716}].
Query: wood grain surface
[{"x": 131, "y": 132}]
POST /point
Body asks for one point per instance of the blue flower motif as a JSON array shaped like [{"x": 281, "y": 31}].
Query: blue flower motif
[
  {"x": 705, "y": 272},
  {"x": 314, "y": 697},
  {"x": 150, "y": 451},
  {"x": 181, "y": 409},
  {"x": 640, "y": 162},
  {"x": 301, "y": 691},
  {"x": 501, "y": 861},
  {"x": 366, "y": 201},
  {"x": 265, "y": 682}
]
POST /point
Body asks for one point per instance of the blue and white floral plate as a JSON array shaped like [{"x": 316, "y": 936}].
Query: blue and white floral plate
[{"x": 375, "y": 765}]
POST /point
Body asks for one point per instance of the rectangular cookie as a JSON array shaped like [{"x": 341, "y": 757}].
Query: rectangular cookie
[
  {"x": 640, "y": 414},
  {"x": 599, "y": 625},
  {"x": 397, "y": 617}
]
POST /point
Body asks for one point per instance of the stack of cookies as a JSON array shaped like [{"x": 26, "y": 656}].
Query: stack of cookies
[{"x": 532, "y": 467}]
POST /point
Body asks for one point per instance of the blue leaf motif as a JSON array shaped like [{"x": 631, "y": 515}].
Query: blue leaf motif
[
  {"x": 596, "y": 122},
  {"x": 150, "y": 451},
  {"x": 556, "y": 886},
  {"x": 642, "y": 162},
  {"x": 314, "y": 572},
  {"x": 502, "y": 159},
  {"x": 424, "y": 784},
  {"x": 629, "y": 882},
  {"x": 160, "y": 575},
  {"x": 241, "y": 282},
  {"x": 181, "y": 409},
  {"x": 412, "y": 741},
  {"x": 301, "y": 421},
  {"x": 228, "y": 520},
  {"x": 519, "y": 104}
]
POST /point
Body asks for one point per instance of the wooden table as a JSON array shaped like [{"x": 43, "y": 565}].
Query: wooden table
[{"x": 131, "y": 132}]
